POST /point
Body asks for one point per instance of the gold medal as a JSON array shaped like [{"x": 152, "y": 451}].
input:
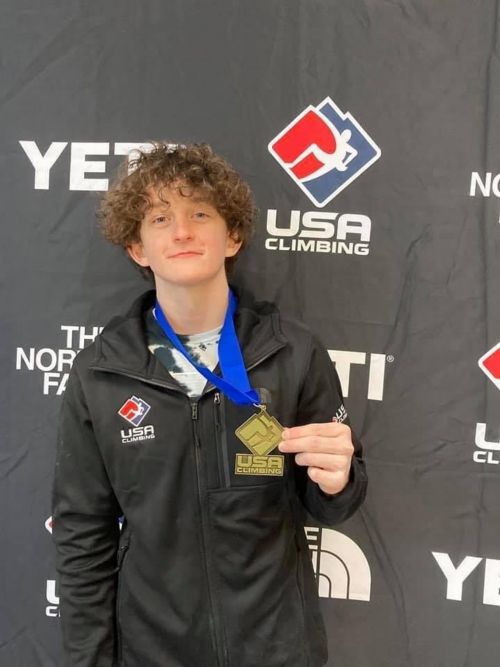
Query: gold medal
[{"x": 261, "y": 433}]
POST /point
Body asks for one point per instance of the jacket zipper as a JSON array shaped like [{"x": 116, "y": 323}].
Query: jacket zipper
[
  {"x": 215, "y": 624},
  {"x": 221, "y": 439}
]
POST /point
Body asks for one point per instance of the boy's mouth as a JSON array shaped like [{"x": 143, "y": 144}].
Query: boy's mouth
[{"x": 187, "y": 254}]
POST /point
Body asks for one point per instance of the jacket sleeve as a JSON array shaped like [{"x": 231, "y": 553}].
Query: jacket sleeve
[
  {"x": 85, "y": 531},
  {"x": 320, "y": 400}
]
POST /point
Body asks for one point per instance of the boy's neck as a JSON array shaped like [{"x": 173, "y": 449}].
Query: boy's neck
[{"x": 194, "y": 309}]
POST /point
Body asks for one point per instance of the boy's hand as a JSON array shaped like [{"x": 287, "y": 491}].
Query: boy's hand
[{"x": 326, "y": 450}]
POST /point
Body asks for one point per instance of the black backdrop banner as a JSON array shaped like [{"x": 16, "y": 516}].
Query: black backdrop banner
[{"x": 369, "y": 132}]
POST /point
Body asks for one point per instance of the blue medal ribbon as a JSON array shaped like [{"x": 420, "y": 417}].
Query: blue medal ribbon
[{"x": 234, "y": 382}]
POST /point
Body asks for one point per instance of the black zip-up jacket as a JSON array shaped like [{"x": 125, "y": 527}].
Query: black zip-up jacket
[{"x": 210, "y": 569}]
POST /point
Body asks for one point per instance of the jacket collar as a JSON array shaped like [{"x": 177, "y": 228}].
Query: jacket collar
[{"x": 122, "y": 345}]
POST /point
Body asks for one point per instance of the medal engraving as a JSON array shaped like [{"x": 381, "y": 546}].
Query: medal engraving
[
  {"x": 261, "y": 433},
  {"x": 248, "y": 464}
]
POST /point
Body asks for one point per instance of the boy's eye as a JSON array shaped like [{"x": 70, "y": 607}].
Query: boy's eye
[
  {"x": 160, "y": 219},
  {"x": 201, "y": 214}
]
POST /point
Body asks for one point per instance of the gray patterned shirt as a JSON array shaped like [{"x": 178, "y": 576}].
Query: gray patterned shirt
[{"x": 203, "y": 347}]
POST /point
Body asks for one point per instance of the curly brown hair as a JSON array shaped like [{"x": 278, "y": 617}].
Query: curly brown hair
[{"x": 122, "y": 208}]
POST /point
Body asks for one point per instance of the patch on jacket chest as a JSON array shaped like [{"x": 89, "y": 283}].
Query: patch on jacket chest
[
  {"x": 137, "y": 434},
  {"x": 134, "y": 410}
]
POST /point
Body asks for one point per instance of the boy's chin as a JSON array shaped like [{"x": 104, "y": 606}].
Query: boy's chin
[{"x": 188, "y": 280}]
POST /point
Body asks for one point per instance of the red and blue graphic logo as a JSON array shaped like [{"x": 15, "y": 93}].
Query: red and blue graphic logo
[
  {"x": 324, "y": 150},
  {"x": 490, "y": 364},
  {"x": 134, "y": 410}
]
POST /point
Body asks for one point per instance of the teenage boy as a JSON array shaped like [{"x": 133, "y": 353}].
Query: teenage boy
[{"x": 211, "y": 567}]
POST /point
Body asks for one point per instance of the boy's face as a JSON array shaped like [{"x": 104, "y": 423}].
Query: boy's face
[{"x": 184, "y": 239}]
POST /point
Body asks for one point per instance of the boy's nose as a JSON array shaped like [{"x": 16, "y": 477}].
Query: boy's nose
[{"x": 183, "y": 227}]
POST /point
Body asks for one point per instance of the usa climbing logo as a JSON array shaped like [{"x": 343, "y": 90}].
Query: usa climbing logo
[
  {"x": 490, "y": 364},
  {"x": 324, "y": 150},
  {"x": 134, "y": 410}
]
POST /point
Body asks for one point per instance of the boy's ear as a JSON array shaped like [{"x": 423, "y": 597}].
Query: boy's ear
[
  {"x": 136, "y": 252},
  {"x": 232, "y": 245}
]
